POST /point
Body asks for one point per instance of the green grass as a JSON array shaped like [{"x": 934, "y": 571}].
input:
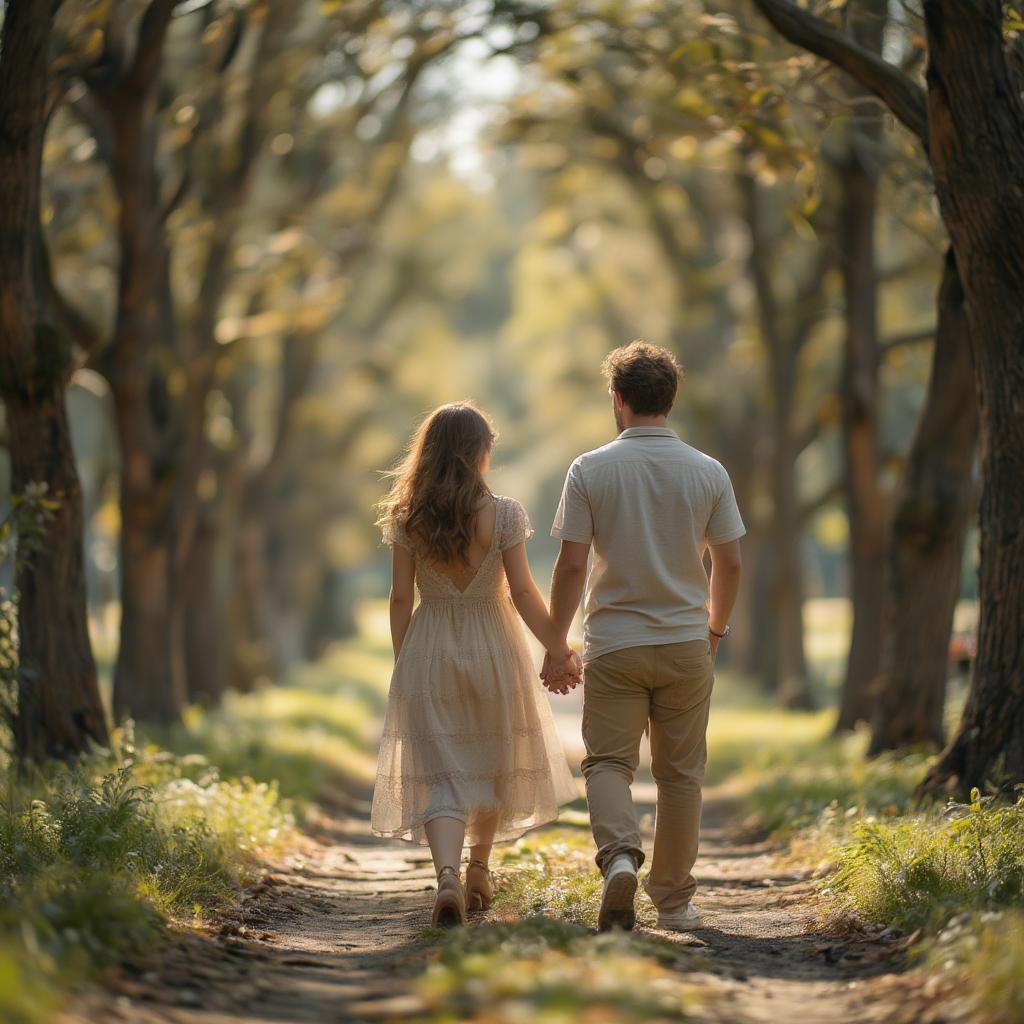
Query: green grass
[
  {"x": 922, "y": 871},
  {"x": 552, "y": 973},
  {"x": 541, "y": 961},
  {"x": 98, "y": 860},
  {"x": 985, "y": 957},
  {"x": 314, "y": 738}
]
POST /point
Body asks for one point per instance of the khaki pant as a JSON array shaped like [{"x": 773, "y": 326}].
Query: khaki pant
[{"x": 668, "y": 686}]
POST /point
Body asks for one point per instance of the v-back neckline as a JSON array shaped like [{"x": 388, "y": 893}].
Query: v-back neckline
[{"x": 462, "y": 591}]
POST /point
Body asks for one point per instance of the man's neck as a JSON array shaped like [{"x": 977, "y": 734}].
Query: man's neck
[{"x": 643, "y": 421}]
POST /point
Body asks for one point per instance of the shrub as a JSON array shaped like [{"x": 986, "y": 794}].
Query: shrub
[
  {"x": 922, "y": 871},
  {"x": 95, "y": 859}
]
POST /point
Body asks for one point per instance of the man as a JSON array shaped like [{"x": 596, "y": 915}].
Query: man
[{"x": 648, "y": 505}]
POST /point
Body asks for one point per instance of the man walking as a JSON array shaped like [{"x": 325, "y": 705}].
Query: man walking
[{"x": 648, "y": 505}]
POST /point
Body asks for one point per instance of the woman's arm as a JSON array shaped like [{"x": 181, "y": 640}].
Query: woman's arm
[
  {"x": 529, "y": 603},
  {"x": 403, "y": 577}
]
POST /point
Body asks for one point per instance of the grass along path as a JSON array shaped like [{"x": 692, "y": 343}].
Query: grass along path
[{"x": 335, "y": 932}]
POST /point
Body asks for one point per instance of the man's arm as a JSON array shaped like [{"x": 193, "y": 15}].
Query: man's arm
[
  {"x": 726, "y": 565},
  {"x": 566, "y": 590}
]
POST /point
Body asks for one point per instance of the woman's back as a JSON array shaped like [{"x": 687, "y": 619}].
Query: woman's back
[{"x": 500, "y": 523}]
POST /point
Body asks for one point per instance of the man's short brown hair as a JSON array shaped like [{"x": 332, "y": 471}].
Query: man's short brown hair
[{"x": 646, "y": 377}]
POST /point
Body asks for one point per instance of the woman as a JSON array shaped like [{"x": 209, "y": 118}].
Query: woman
[{"x": 469, "y": 753}]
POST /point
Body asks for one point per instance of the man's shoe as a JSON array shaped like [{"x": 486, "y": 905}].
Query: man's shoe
[
  {"x": 680, "y": 920},
  {"x": 617, "y": 909}
]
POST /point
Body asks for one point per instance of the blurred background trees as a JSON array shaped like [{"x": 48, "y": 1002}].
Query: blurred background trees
[{"x": 273, "y": 235}]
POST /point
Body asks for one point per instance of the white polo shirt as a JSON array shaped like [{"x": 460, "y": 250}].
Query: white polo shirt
[{"x": 650, "y": 504}]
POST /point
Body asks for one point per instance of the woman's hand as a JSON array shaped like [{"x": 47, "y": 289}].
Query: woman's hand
[{"x": 562, "y": 670}]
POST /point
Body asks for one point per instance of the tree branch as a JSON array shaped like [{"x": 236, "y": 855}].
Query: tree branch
[
  {"x": 900, "y": 93},
  {"x": 147, "y": 60},
  {"x": 908, "y": 338}
]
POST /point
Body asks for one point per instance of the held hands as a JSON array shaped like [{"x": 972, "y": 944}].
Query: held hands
[{"x": 562, "y": 672}]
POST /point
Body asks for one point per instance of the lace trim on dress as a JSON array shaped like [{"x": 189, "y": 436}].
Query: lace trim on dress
[
  {"x": 523, "y": 732},
  {"x": 394, "y": 783},
  {"x": 445, "y": 697},
  {"x": 516, "y": 527}
]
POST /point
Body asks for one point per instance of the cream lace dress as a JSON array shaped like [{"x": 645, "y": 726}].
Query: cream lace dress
[{"x": 468, "y": 731}]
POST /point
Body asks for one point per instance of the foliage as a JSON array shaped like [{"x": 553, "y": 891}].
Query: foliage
[
  {"x": 923, "y": 870},
  {"x": 832, "y": 786},
  {"x": 311, "y": 740},
  {"x": 541, "y": 960},
  {"x": 95, "y": 859},
  {"x": 24, "y": 526},
  {"x": 547, "y": 972},
  {"x": 985, "y": 955}
]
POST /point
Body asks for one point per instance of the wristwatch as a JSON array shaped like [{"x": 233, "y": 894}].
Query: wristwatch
[{"x": 723, "y": 635}]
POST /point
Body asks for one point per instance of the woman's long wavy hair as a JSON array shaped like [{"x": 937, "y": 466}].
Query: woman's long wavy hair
[{"x": 436, "y": 488}]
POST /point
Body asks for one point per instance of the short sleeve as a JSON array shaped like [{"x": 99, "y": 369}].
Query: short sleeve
[
  {"x": 394, "y": 533},
  {"x": 516, "y": 526},
  {"x": 574, "y": 520},
  {"x": 725, "y": 523}
]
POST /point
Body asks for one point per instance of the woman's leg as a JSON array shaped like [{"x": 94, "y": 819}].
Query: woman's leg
[
  {"x": 445, "y": 836},
  {"x": 485, "y": 826}
]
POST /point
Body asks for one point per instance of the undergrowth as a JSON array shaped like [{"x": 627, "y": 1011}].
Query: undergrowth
[
  {"x": 97, "y": 859},
  {"x": 541, "y": 960},
  {"x": 956, "y": 878},
  {"x": 922, "y": 871}
]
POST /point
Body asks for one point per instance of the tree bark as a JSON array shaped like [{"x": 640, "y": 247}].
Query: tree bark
[
  {"x": 866, "y": 509},
  {"x": 149, "y": 681},
  {"x": 785, "y": 666},
  {"x": 976, "y": 146},
  {"x": 149, "y": 678},
  {"x": 203, "y": 608},
  {"x": 59, "y": 711},
  {"x": 972, "y": 126},
  {"x": 928, "y": 532}
]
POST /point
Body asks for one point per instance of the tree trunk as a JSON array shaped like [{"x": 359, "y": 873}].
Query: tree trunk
[
  {"x": 203, "y": 601},
  {"x": 972, "y": 126},
  {"x": 865, "y": 501},
  {"x": 59, "y": 710},
  {"x": 976, "y": 146},
  {"x": 784, "y": 654},
  {"x": 928, "y": 531},
  {"x": 149, "y": 675},
  {"x": 787, "y": 592}
]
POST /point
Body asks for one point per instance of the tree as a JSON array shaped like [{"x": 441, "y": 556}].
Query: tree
[
  {"x": 866, "y": 501},
  {"x": 181, "y": 119},
  {"x": 59, "y": 711},
  {"x": 649, "y": 91},
  {"x": 971, "y": 120},
  {"x": 929, "y": 528}
]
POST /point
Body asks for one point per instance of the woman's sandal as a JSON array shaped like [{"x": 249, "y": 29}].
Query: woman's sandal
[
  {"x": 479, "y": 885},
  {"x": 450, "y": 902}
]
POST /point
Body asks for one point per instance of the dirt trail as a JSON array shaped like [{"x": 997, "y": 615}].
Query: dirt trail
[{"x": 334, "y": 933}]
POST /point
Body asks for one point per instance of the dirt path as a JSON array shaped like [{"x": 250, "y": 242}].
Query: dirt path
[{"x": 334, "y": 934}]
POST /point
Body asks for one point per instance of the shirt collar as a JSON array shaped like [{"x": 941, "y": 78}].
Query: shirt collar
[{"x": 648, "y": 432}]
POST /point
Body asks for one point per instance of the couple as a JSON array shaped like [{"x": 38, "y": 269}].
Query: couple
[{"x": 469, "y": 754}]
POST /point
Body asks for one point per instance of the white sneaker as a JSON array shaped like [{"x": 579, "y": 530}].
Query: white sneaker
[
  {"x": 680, "y": 920},
  {"x": 617, "y": 909}
]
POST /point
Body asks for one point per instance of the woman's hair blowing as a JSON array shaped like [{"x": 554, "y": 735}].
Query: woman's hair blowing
[{"x": 436, "y": 488}]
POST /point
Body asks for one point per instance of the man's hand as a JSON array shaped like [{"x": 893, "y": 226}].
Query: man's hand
[
  {"x": 562, "y": 672},
  {"x": 714, "y": 641}
]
